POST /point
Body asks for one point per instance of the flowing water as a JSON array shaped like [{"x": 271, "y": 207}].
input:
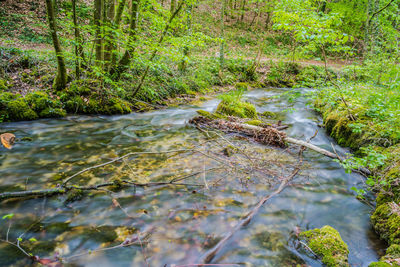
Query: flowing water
[{"x": 176, "y": 224}]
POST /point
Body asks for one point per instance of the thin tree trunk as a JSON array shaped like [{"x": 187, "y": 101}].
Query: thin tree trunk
[
  {"x": 156, "y": 49},
  {"x": 117, "y": 22},
  {"x": 186, "y": 51},
  {"x": 243, "y": 10},
  {"x": 173, "y": 4},
  {"x": 256, "y": 12},
  {"x": 267, "y": 20},
  {"x": 109, "y": 42},
  {"x": 221, "y": 52},
  {"x": 61, "y": 78},
  {"x": 126, "y": 58},
  {"x": 98, "y": 4},
  {"x": 78, "y": 44}
]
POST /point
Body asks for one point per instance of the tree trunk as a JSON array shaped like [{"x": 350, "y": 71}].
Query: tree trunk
[
  {"x": 78, "y": 42},
  {"x": 164, "y": 33},
  {"x": 98, "y": 5},
  {"x": 256, "y": 12},
  {"x": 182, "y": 65},
  {"x": 126, "y": 58},
  {"x": 61, "y": 78},
  {"x": 243, "y": 10},
  {"x": 109, "y": 42},
  {"x": 117, "y": 22},
  {"x": 173, "y": 4},
  {"x": 221, "y": 52}
]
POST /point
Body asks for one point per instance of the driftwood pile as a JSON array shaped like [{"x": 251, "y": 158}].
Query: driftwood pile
[
  {"x": 269, "y": 135},
  {"x": 264, "y": 135}
]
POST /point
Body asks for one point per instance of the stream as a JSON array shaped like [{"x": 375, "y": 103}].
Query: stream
[{"x": 175, "y": 225}]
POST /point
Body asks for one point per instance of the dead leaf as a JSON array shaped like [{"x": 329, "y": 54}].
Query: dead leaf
[
  {"x": 115, "y": 203},
  {"x": 7, "y": 139}
]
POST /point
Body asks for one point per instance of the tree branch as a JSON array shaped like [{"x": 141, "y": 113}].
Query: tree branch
[{"x": 380, "y": 10}]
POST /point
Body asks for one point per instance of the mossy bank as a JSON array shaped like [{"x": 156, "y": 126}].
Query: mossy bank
[
  {"x": 354, "y": 116},
  {"x": 26, "y": 94}
]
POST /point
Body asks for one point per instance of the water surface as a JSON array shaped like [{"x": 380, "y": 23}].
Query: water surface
[{"x": 178, "y": 223}]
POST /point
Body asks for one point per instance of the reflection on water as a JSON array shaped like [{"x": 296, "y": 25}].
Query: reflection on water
[{"x": 175, "y": 224}]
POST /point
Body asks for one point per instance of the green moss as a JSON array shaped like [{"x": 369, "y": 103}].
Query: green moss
[
  {"x": 393, "y": 251},
  {"x": 74, "y": 104},
  {"x": 142, "y": 106},
  {"x": 242, "y": 86},
  {"x": 210, "y": 115},
  {"x": 117, "y": 106},
  {"x": 74, "y": 195},
  {"x": 386, "y": 222},
  {"x": 107, "y": 106},
  {"x": 380, "y": 264},
  {"x": 389, "y": 260},
  {"x": 255, "y": 122},
  {"x": 52, "y": 113},
  {"x": 19, "y": 110},
  {"x": 44, "y": 105},
  {"x": 229, "y": 150},
  {"x": 238, "y": 109},
  {"x": 38, "y": 101},
  {"x": 3, "y": 85},
  {"x": 327, "y": 243}
]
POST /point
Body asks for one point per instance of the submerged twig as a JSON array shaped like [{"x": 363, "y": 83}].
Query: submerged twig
[
  {"x": 121, "y": 158},
  {"x": 209, "y": 255}
]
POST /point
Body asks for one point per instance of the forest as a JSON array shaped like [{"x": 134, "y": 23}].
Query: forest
[{"x": 200, "y": 133}]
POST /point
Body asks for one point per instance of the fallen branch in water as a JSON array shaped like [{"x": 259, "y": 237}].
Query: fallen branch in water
[
  {"x": 66, "y": 189},
  {"x": 269, "y": 135},
  {"x": 209, "y": 255}
]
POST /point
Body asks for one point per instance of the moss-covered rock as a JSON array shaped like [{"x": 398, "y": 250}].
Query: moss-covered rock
[
  {"x": 44, "y": 105},
  {"x": 52, "y": 113},
  {"x": 393, "y": 252},
  {"x": 107, "y": 106},
  {"x": 74, "y": 104},
  {"x": 386, "y": 222},
  {"x": 327, "y": 243},
  {"x": 390, "y": 259},
  {"x": 238, "y": 109},
  {"x": 17, "y": 109}
]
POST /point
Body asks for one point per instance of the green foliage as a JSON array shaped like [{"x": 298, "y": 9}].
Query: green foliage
[
  {"x": 8, "y": 216},
  {"x": 308, "y": 26}
]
